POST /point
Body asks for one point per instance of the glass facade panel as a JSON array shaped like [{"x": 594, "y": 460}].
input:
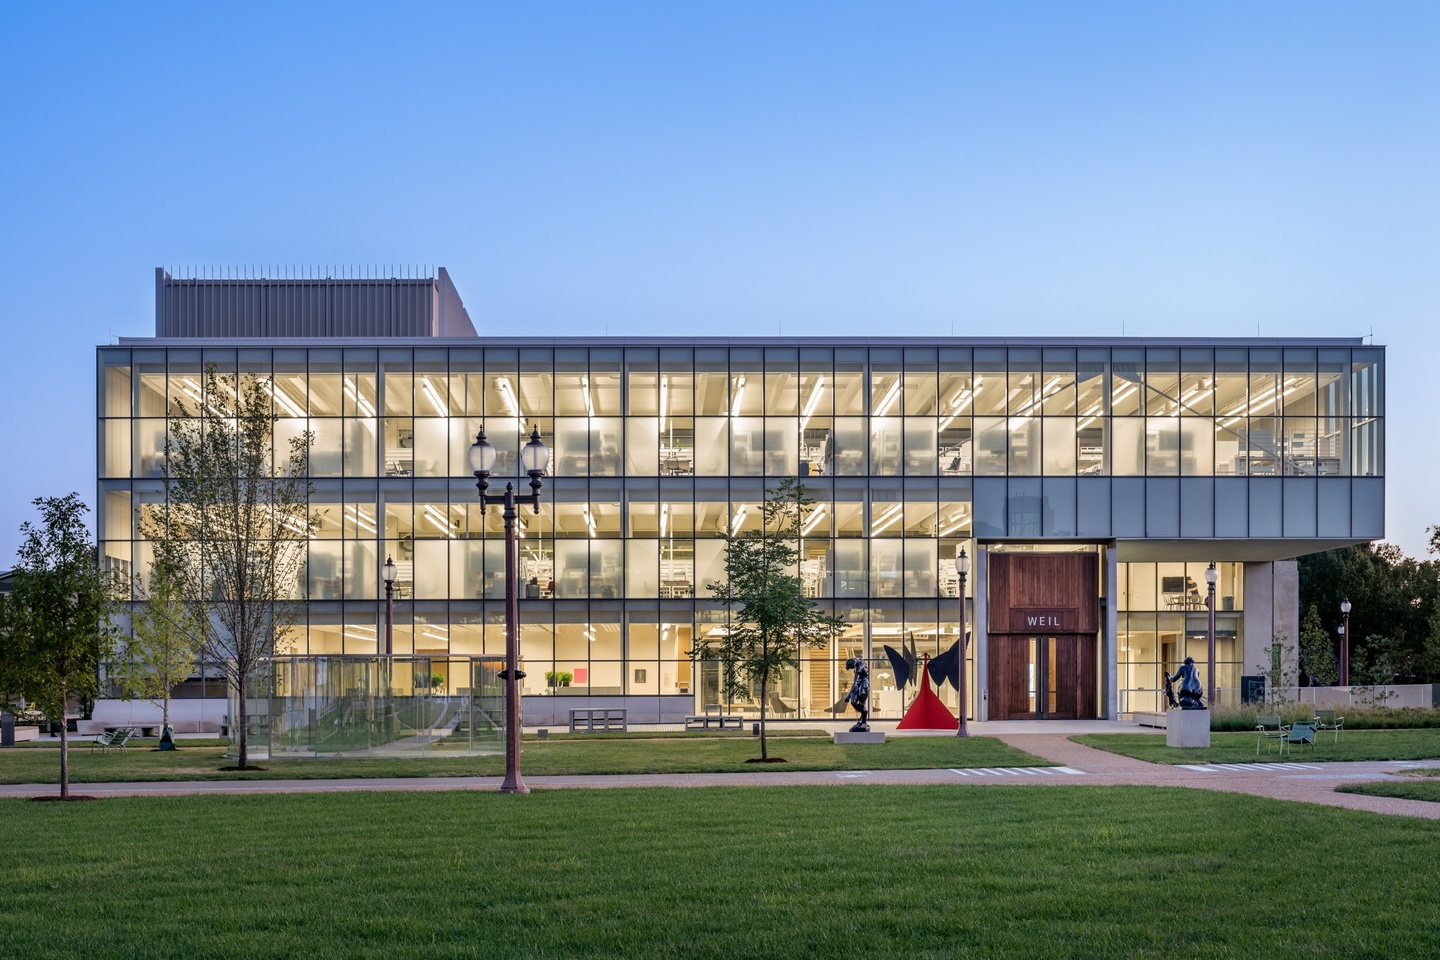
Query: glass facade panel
[{"x": 657, "y": 449}]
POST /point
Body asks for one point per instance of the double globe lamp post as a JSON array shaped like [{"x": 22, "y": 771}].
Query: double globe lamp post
[
  {"x": 534, "y": 458},
  {"x": 1345, "y": 642}
]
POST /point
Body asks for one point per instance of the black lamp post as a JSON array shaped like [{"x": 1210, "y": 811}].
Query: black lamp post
[
  {"x": 1345, "y": 642},
  {"x": 389, "y": 607},
  {"x": 1211, "y": 575},
  {"x": 962, "y": 568},
  {"x": 534, "y": 457}
]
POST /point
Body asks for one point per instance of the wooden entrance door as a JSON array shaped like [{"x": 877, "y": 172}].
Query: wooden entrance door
[{"x": 1042, "y": 677}]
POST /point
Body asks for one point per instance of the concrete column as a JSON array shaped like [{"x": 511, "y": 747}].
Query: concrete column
[
  {"x": 979, "y": 639},
  {"x": 1272, "y": 610}
]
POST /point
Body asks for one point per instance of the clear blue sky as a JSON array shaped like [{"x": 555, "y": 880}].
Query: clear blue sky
[{"x": 1002, "y": 168}]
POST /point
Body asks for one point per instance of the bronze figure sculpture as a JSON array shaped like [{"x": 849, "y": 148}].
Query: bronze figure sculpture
[{"x": 859, "y": 695}]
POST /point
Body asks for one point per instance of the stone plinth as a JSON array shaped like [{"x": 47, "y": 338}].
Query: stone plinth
[
  {"x": 1187, "y": 728},
  {"x": 871, "y": 736}
]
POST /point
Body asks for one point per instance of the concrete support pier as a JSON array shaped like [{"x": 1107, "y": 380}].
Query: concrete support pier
[{"x": 1187, "y": 728}]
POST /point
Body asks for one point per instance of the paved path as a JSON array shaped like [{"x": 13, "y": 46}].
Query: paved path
[
  {"x": 1078, "y": 765},
  {"x": 1302, "y": 782}
]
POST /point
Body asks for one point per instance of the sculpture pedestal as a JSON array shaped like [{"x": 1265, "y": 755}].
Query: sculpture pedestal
[
  {"x": 1187, "y": 728},
  {"x": 870, "y": 736}
]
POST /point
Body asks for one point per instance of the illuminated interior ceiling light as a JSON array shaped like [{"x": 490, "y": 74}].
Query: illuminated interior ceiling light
[
  {"x": 507, "y": 395},
  {"x": 664, "y": 401},
  {"x": 590, "y": 632},
  {"x": 886, "y": 519},
  {"x": 428, "y": 389},
  {"x": 813, "y": 520},
  {"x": 585, "y": 392},
  {"x": 813, "y": 402},
  {"x": 433, "y": 634},
  {"x": 192, "y": 390},
  {"x": 589, "y": 520},
  {"x": 284, "y": 401},
  {"x": 664, "y": 518},
  {"x": 739, "y": 395},
  {"x": 440, "y": 521},
  {"x": 366, "y": 408},
  {"x": 888, "y": 401},
  {"x": 739, "y": 519},
  {"x": 960, "y": 519},
  {"x": 363, "y": 520}
]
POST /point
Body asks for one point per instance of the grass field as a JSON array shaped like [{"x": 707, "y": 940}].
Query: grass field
[
  {"x": 566, "y": 756},
  {"x": 1417, "y": 785},
  {"x": 823, "y": 872},
  {"x": 1240, "y": 747}
]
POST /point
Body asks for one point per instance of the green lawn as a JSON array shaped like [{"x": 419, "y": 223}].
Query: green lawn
[
  {"x": 824, "y": 872},
  {"x": 577, "y": 755},
  {"x": 1417, "y": 785},
  {"x": 1240, "y": 747}
]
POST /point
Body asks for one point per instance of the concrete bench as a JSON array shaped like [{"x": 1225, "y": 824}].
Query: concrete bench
[
  {"x": 720, "y": 720},
  {"x": 597, "y": 719}
]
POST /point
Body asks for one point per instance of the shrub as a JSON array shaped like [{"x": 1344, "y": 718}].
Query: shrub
[{"x": 1356, "y": 717}]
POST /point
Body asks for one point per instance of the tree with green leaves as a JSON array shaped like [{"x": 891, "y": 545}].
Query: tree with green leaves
[
  {"x": 1392, "y": 595},
  {"x": 167, "y": 633},
  {"x": 57, "y": 629},
  {"x": 235, "y": 524},
  {"x": 771, "y": 619},
  {"x": 1317, "y": 653}
]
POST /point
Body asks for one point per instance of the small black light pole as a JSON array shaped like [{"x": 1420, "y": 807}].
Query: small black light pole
[
  {"x": 1345, "y": 642},
  {"x": 534, "y": 457},
  {"x": 1211, "y": 575},
  {"x": 962, "y": 567},
  {"x": 389, "y": 607}
]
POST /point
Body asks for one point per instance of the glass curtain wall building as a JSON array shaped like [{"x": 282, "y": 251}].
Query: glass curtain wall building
[{"x": 1153, "y": 457}]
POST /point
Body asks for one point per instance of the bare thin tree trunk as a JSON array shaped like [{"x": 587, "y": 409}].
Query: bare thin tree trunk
[
  {"x": 64, "y": 756},
  {"x": 240, "y": 693},
  {"x": 764, "y": 749}
]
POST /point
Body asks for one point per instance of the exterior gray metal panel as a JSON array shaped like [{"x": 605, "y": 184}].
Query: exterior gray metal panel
[
  {"x": 1162, "y": 507},
  {"x": 1197, "y": 507},
  {"x": 1127, "y": 507},
  {"x": 1093, "y": 507},
  {"x": 1333, "y": 507},
  {"x": 1266, "y": 505},
  {"x": 1299, "y": 506},
  {"x": 1232, "y": 507},
  {"x": 237, "y": 307},
  {"x": 1367, "y": 508}
]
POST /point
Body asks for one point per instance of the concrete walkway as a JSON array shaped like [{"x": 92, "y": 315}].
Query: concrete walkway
[
  {"x": 1298, "y": 781},
  {"x": 1303, "y": 782}
]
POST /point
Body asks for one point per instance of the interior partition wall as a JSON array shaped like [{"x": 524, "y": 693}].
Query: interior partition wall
[{"x": 910, "y": 449}]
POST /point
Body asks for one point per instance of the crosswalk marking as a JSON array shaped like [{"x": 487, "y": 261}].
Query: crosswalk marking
[
  {"x": 1016, "y": 772},
  {"x": 1247, "y": 767}
]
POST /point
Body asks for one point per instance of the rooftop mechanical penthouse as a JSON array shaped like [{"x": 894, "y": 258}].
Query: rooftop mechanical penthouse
[{"x": 1092, "y": 480}]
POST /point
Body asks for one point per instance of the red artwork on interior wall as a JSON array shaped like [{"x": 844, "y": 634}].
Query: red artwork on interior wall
[
  {"x": 927, "y": 712},
  {"x": 582, "y": 675}
]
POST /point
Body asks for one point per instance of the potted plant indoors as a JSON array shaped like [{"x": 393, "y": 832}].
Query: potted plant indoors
[{"x": 558, "y": 678}]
